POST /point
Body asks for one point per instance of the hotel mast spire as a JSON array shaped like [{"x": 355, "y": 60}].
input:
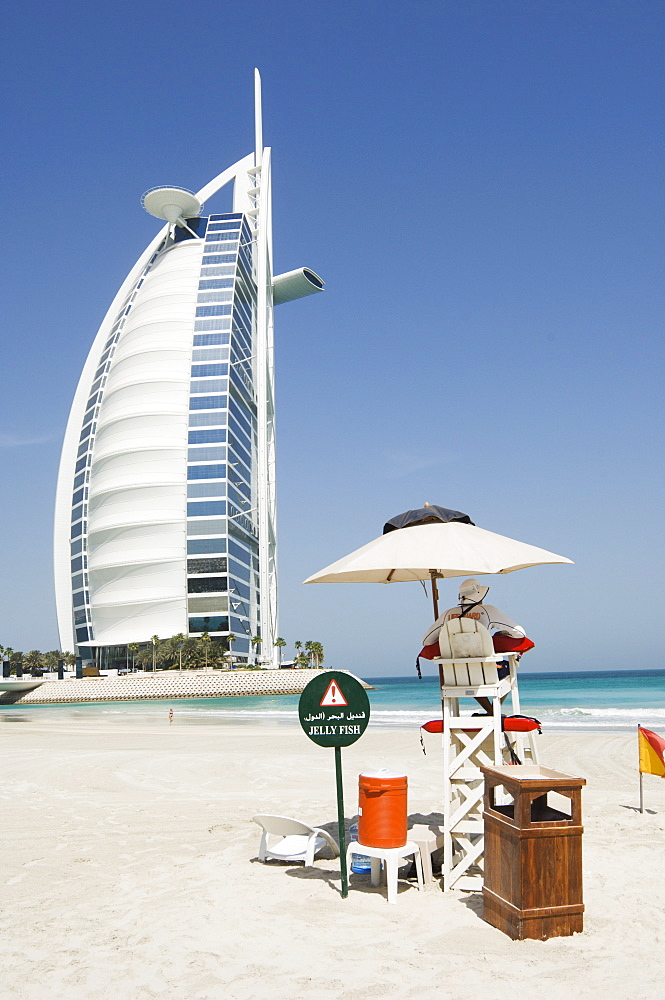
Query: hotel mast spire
[{"x": 258, "y": 120}]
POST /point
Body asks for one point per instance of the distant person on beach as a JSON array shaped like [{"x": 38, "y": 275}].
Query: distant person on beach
[
  {"x": 170, "y": 716},
  {"x": 508, "y": 637}
]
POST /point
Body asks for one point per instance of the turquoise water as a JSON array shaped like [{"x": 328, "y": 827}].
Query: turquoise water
[
  {"x": 599, "y": 700},
  {"x": 616, "y": 699}
]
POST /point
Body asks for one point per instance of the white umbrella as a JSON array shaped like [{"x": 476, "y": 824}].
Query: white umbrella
[{"x": 432, "y": 551}]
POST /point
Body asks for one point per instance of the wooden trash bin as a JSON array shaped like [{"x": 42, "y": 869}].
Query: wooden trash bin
[{"x": 533, "y": 853}]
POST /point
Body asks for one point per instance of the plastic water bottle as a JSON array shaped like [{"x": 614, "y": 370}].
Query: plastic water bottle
[{"x": 359, "y": 862}]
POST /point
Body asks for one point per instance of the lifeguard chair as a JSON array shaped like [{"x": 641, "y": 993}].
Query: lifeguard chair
[{"x": 468, "y": 669}]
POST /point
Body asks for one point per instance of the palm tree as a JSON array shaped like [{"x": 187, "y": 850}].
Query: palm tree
[
  {"x": 191, "y": 652},
  {"x": 280, "y": 643},
  {"x": 256, "y": 641},
  {"x": 206, "y": 640},
  {"x": 155, "y": 642},
  {"x": 301, "y": 660},
  {"x": 50, "y": 659},
  {"x": 133, "y": 648},
  {"x": 297, "y": 646},
  {"x": 230, "y": 639},
  {"x": 144, "y": 656},
  {"x": 163, "y": 652},
  {"x": 179, "y": 639},
  {"x": 33, "y": 660},
  {"x": 169, "y": 651}
]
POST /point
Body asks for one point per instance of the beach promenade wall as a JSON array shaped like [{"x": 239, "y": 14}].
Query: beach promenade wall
[{"x": 167, "y": 684}]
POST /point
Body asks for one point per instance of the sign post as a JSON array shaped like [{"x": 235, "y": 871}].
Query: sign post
[{"x": 334, "y": 712}]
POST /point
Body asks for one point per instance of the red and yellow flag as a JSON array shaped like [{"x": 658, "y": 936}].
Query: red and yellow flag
[{"x": 652, "y": 752}]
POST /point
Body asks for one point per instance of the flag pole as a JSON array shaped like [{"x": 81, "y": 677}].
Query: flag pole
[
  {"x": 340, "y": 822},
  {"x": 639, "y": 764},
  {"x": 651, "y": 756}
]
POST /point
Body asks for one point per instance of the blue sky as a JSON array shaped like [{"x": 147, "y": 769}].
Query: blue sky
[{"x": 480, "y": 184}]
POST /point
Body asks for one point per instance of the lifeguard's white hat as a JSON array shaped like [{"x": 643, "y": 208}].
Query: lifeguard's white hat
[{"x": 470, "y": 592}]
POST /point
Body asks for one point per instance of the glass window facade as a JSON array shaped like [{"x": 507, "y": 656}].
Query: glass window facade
[
  {"x": 210, "y": 354},
  {"x": 208, "y": 419},
  {"x": 206, "y": 454},
  {"x": 207, "y": 584},
  {"x": 195, "y": 566},
  {"x": 205, "y": 371},
  {"x": 211, "y": 339},
  {"x": 209, "y": 385},
  {"x": 226, "y": 288},
  {"x": 207, "y": 437},
  {"x": 202, "y": 546},
  {"x": 208, "y": 402},
  {"x": 206, "y": 472},
  {"x": 206, "y": 508},
  {"x": 202, "y": 605},
  {"x": 208, "y": 623},
  {"x": 206, "y": 527},
  {"x": 206, "y": 489}
]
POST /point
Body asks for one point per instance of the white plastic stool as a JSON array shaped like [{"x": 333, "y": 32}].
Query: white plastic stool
[
  {"x": 390, "y": 856},
  {"x": 428, "y": 839}
]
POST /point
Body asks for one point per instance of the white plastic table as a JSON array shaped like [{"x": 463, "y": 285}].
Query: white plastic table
[{"x": 390, "y": 856}]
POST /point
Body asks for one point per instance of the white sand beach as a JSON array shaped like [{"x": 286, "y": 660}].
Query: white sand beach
[{"x": 129, "y": 870}]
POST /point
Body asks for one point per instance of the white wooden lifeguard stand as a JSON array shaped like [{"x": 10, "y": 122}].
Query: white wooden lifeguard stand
[{"x": 468, "y": 669}]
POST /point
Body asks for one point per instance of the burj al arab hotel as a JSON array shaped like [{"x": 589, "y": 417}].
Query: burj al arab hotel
[{"x": 165, "y": 507}]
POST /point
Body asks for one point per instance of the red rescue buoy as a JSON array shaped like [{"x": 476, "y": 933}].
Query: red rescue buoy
[{"x": 435, "y": 726}]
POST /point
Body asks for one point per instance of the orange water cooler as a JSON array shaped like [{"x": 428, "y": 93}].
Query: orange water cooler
[{"x": 382, "y": 809}]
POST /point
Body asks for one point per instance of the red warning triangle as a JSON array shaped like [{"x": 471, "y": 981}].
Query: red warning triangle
[{"x": 333, "y": 696}]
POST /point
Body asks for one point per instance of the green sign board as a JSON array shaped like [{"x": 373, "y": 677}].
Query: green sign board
[{"x": 334, "y": 709}]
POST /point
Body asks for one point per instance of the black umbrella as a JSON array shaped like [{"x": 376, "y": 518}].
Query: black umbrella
[{"x": 429, "y": 514}]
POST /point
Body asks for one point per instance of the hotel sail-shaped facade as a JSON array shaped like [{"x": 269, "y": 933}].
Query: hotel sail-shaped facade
[{"x": 165, "y": 506}]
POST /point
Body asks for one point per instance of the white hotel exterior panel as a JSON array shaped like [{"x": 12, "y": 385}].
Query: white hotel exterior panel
[{"x": 138, "y": 486}]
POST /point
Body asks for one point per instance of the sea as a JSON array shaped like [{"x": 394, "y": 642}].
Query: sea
[{"x": 608, "y": 700}]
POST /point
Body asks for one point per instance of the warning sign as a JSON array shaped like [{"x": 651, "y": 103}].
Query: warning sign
[
  {"x": 333, "y": 696},
  {"x": 334, "y": 709}
]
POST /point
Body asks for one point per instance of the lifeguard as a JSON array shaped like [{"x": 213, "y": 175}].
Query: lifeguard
[{"x": 508, "y": 637}]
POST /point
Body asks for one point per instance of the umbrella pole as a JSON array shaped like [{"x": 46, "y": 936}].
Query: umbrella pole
[{"x": 435, "y": 594}]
